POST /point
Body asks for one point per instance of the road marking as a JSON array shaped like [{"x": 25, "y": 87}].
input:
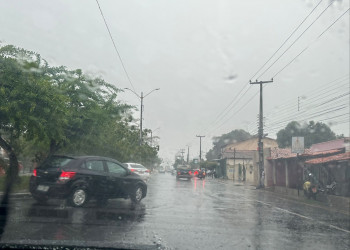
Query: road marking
[{"x": 296, "y": 214}]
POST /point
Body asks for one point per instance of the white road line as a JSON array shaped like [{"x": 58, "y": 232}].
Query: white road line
[{"x": 296, "y": 214}]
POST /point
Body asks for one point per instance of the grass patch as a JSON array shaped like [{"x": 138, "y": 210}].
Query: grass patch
[{"x": 21, "y": 185}]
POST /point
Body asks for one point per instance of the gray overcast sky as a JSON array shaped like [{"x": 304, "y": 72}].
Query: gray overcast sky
[{"x": 200, "y": 53}]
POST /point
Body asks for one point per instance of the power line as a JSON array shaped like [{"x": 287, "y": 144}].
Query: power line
[
  {"x": 287, "y": 105},
  {"x": 286, "y": 40},
  {"x": 297, "y": 39},
  {"x": 233, "y": 101},
  {"x": 115, "y": 47},
  {"x": 310, "y": 44},
  {"x": 311, "y": 106}
]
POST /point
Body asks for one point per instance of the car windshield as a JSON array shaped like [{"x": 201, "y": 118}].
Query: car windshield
[{"x": 175, "y": 124}]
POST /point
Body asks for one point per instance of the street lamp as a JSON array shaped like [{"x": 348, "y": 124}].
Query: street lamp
[{"x": 141, "y": 110}]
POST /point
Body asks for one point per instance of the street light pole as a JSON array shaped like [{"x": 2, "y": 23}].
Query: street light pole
[
  {"x": 141, "y": 108},
  {"x": 141, "y": 111}
]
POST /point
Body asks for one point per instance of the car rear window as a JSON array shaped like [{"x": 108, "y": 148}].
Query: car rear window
[
  {"x": 56, "y": 162},
  {"x": 137, "y": 166}
]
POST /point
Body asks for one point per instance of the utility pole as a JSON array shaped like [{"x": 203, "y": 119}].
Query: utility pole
[
  {"x": 261, "y": 131},
  {"x": 188, "y": 154},
  {"x": 141, "y": 111},
  {"x": 200, "y": 148},
  {"x": 182, "y": 151}
]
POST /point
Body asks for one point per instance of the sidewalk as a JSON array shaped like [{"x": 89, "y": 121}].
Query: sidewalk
[{"x": 337, "y": 203}]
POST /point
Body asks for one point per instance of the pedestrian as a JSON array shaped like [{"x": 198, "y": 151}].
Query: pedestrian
[
  {"x": 263, "y": 179},
  {"x": 244, "y": 173}
]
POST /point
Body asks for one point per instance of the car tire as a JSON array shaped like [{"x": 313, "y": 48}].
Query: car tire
[
  {"x": 137, "y": 194},
  {"x": 78, "y": 197}
]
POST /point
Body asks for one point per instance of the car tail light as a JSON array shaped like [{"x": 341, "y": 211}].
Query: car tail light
[
  {"x": 132, "y": 170},
  {"x": 66, "y": 175},
  {"x": 178, "y": 173},
  {"x": 196, "y": 172},
  {"x": 189, "y": 172},
  {"x": 147, "y": 171},
  {"x": 34, "y": 172}
]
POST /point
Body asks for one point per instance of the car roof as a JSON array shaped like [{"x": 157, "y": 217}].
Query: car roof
[{"x": 84, "y": 157}]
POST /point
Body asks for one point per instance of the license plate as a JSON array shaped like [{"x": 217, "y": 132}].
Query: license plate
[{"x": 42, "y": 188}]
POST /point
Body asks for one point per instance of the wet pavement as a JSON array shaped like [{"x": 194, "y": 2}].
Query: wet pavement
[{"x": 196, "y": 214}]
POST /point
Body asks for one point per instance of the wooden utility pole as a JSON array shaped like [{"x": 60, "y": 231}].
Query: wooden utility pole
[
  {"x": 261, "y": 131},
  {"x": 182, "y": 151},
  {"x": 200, "y": 148}
]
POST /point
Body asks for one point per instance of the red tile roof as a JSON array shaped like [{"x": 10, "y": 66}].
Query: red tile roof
[
  {"x": 338, "y": 157},
  {"x": 286, "y": 153}
]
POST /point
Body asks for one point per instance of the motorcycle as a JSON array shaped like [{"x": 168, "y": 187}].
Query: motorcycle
[
  {"x": 201, "y": 174},
  {"x": 330, "y": 189}
]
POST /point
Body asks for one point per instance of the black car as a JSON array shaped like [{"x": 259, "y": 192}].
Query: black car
[
  {"x": 78, "y": 179},
  {"x": 184, "y": 173}
]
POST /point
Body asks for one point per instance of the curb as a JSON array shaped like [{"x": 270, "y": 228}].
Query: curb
[{"x": 18, "y": 195}]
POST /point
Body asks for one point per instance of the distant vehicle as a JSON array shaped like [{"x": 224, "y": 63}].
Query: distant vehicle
[
  {"x": 195, "y": 172},
  {"x": 201, "y": 174},
  {"x": 78, "y": 179},
  {"x": 161, "y": 170},
  {"x": 183, "y": 172},
  {"x": 139, "y": 169}
]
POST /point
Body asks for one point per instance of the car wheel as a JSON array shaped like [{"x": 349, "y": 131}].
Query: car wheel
[
  {"x": 137, "y": 194},
  {"x": 79, "y": 197}
]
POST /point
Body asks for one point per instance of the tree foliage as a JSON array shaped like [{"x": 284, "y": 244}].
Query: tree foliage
[
  {"x": 46, "y": 110},
  {"x": 312, "y": 133},
  {"x": 225, "y": 139}
]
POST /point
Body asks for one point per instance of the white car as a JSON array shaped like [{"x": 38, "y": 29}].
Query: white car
[{"x": 139, "y": 169}]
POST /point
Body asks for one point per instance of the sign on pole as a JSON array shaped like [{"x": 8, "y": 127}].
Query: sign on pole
[{"x": 298, "y": 145}]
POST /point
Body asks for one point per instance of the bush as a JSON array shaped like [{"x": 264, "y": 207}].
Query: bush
[{"x": 20, "y": 186}]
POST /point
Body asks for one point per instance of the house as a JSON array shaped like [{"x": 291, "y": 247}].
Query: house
[
  {"x": 239, "y": 161},
  {"x": 327, "y": 162}
]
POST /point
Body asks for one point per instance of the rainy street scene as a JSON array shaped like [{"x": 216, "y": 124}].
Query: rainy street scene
[
  {"x": 181, "y": 214},
  {"x": 177, "y": 124}
]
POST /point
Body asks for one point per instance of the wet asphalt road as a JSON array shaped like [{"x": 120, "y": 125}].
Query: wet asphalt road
[{"x": 196, "y": 214}]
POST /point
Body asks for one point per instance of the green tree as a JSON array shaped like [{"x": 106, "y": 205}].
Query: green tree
[
  {"x": 312, "y": 133},
  {"x": 225, "y": 139},
  {"x": 46, "y": 109},
  {"x": 27, "y": 102}
]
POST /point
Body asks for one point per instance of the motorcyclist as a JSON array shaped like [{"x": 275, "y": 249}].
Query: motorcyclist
[{"x": 309, "y": 187}]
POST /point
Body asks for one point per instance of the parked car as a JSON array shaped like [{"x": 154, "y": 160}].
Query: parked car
[
  {"x": 139, "y": 169},
  {"x": 184, "y": 173},
  {"x": 78, "y": 179}
]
